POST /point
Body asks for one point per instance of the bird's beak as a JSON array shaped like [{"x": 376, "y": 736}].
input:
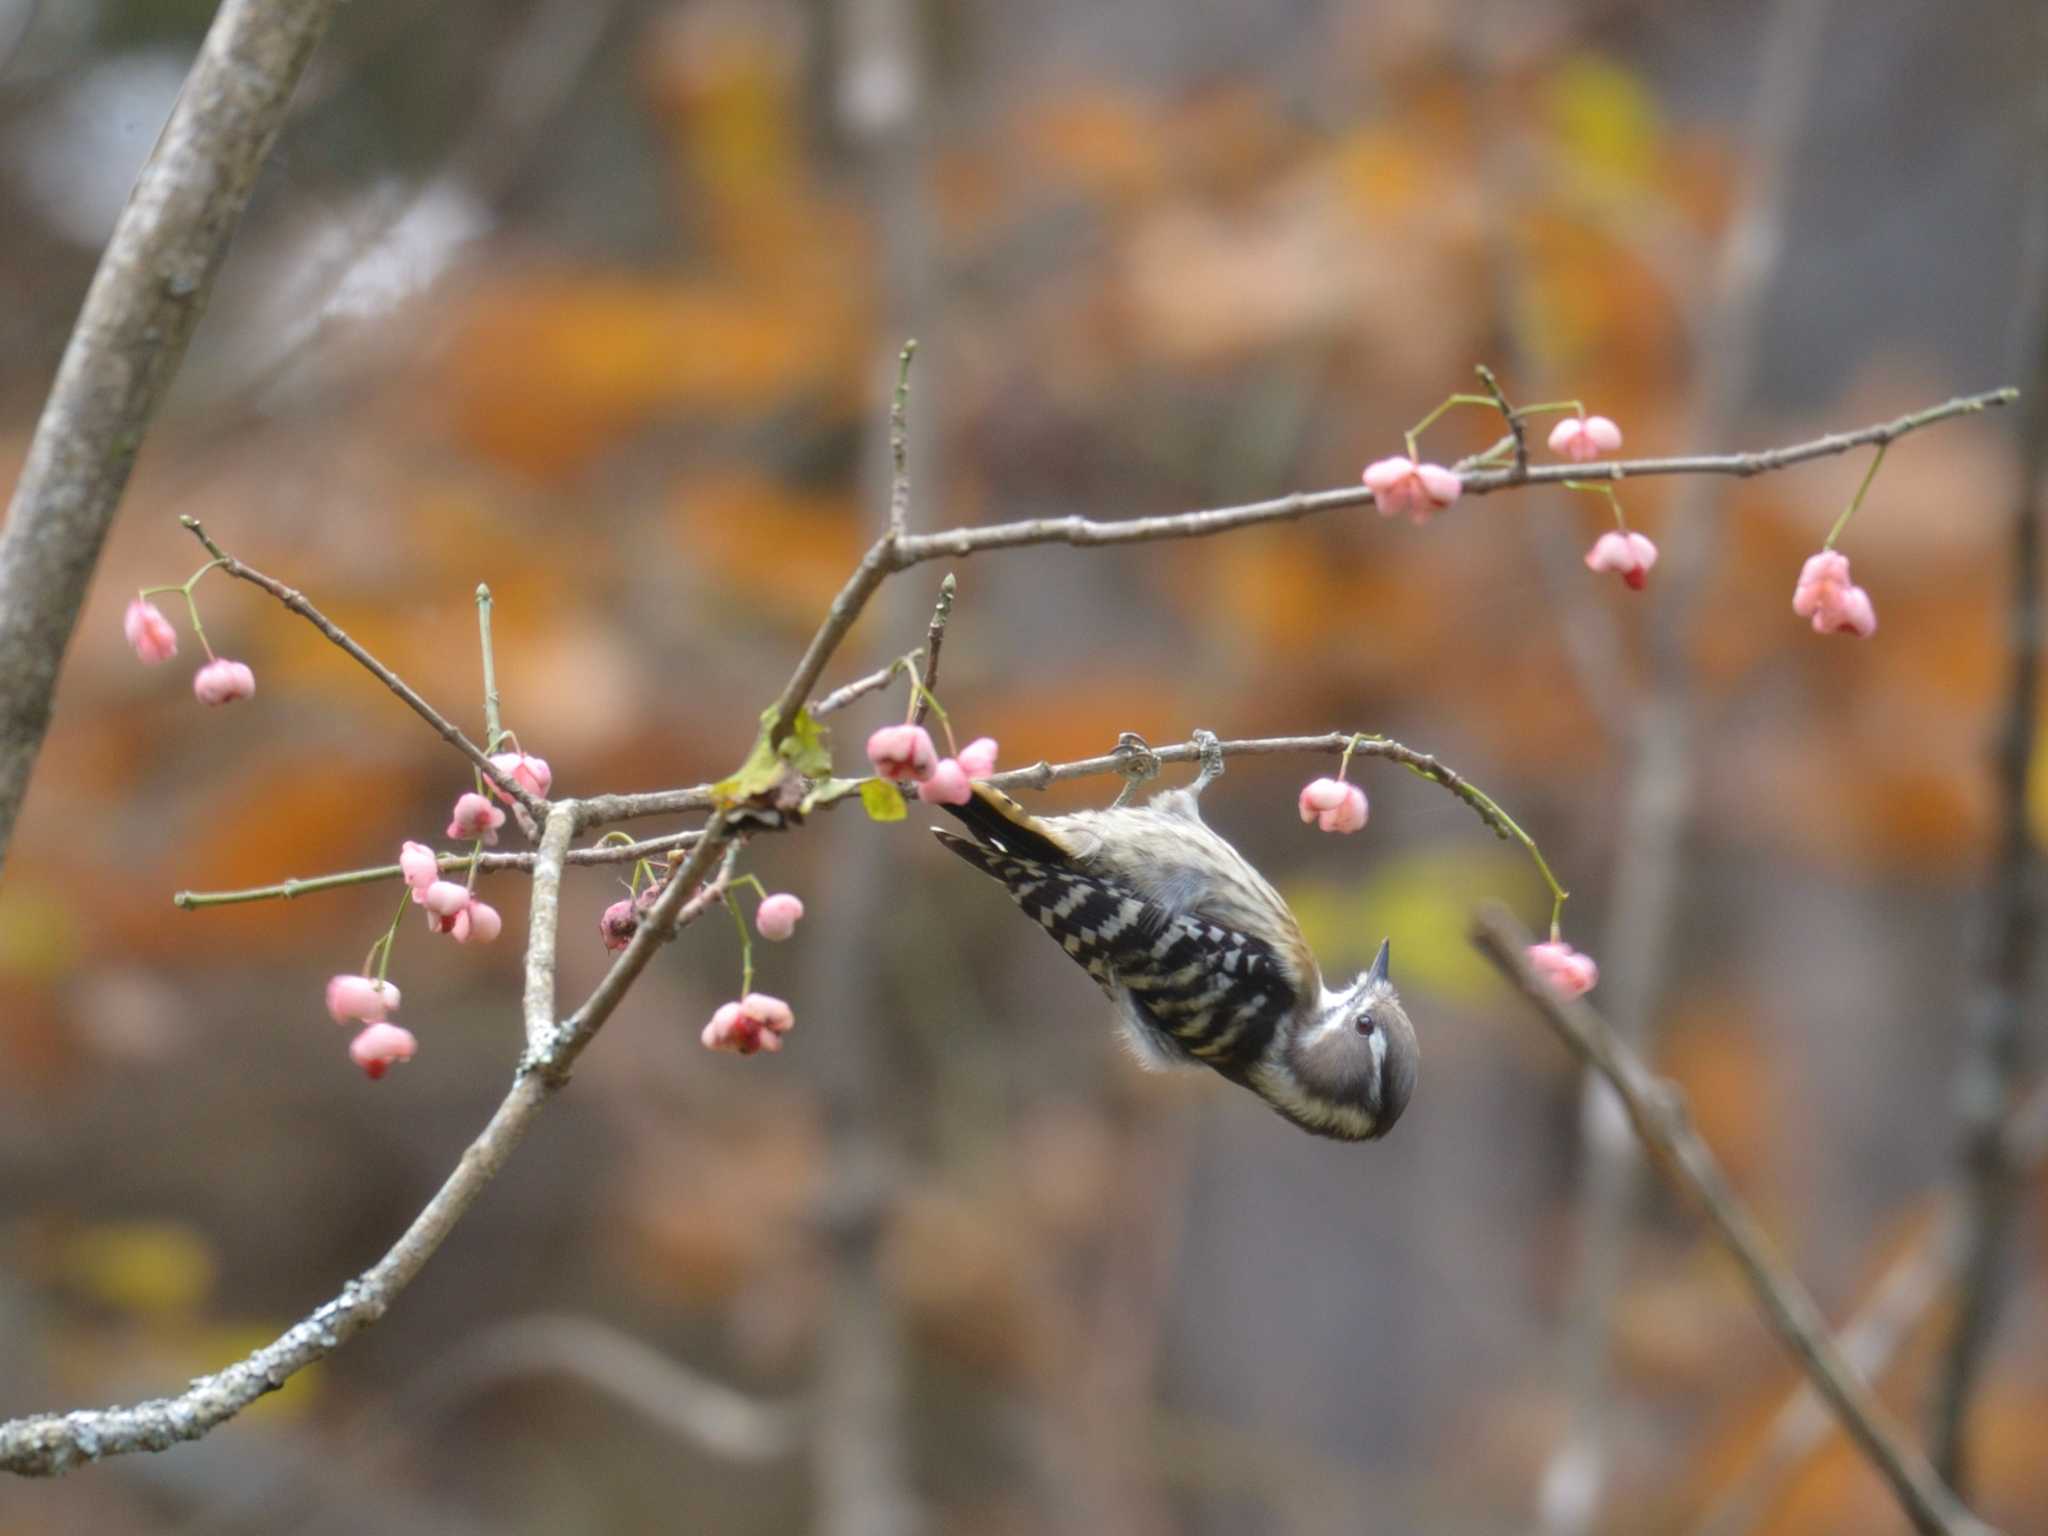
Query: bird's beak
[{"x": 1379, "y": 964}]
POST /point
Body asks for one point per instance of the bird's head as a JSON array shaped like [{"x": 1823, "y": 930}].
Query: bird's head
[{"x": 1353, "y": 1067}]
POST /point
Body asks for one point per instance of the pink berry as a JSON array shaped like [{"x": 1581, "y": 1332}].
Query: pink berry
[
  {"x": 478, "y": 921},
  {"x": 903, "y": 753},
  {"x": 1825, "y": 595},
  {"x": 1333, "y": 804},
  {"x": 619, "y": 923},
  {"x": 948, "y": 785},
  {"x": 418, "y": 864},
  {"x": 777, "y": 916},
  {"x": 978, "y": 757},
  {"x": 380, "y": 1045},
  {"x": 1569, "y": 972},
  {"x": 531, "y": 774},
  {"x": 757, "y": 1022},
  {"x": 361, "y": 999},
  {"x": 475, "y": 817},
  {"x": 1421, "y": 490},
  {"x": 222, "y": 681},
  {"x": 1584, "y": 437},
  {"x": 1630, "y": 554},
  {"x": 149, "y": 631}
]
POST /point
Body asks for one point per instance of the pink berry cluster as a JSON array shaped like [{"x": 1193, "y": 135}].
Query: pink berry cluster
[
  {"x": 370, "y": 1001},
  {"x": 219, "y": 681},
  {"x": 1628, "y": 554},
  {"x": 754, "y": 1022},
  {"x": 450, "y": 906},
  {"x": 1823, "y": 594},
  {"x": 757, "y": 1021},
  {"x": 904, "y": 754}
]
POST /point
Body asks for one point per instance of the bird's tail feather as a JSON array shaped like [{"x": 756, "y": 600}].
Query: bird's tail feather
[{"x": 997, "y": 821}]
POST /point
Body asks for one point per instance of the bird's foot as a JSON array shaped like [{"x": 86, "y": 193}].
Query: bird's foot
[
  {"x": 1139, "y": 763},
  {"x": 1212, "y": 761}
]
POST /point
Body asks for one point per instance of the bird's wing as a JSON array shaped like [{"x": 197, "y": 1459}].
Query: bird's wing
[{"x": 1214, "y": 994}]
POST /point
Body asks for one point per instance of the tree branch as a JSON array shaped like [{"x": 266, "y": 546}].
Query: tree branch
[
  {"x": 450, "y": 863},
  {"x": 1658, "y": 1115},
  {"x": 1997, "y": 1044},
  {"x": 1872, "y": 1340},
  {"x": 918, "y": 548},
  {"x": 48, "y": 1444},
  {"x": 145, "y": 300}
]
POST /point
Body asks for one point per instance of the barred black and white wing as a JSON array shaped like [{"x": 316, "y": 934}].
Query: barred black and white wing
[{"x": 1189, "y": 990}]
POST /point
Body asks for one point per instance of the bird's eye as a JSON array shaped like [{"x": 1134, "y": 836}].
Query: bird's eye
[{"x": 1364, "y": 1024}]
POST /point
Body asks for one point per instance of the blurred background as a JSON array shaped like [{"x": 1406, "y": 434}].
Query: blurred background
[{"x": 597, "y": 301}]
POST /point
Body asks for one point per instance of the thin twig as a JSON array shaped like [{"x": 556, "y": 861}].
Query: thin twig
[
  {"x": 876, "y": 566},
  {"x": 445, "y": 728},
  {"x": 1518, "y": 431},
  {"x": 889, "y": 554},
  {"x": 918, "y": 548},
  {"x": 493, "y": 727},
  {"x": 1658, "y": 1114},
  {"x": 934, "y": 642},
  {"x": 899, "y": 445},
  {"x": 680, "y": 1401},
  {"x": 859, "y": 688},
  {"x": 1041, "y": 774},
  {"x": 450, "y": 863},
  {"x": 1996, "y": 1045},
  {"x": 145, "y": 300},
  {"x": 1038, "y": 776}
]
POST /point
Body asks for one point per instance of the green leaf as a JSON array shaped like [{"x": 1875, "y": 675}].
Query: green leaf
[
  {"x": 826, "y": 791},
  {"x": 757, "y": 775},
  {"x": 805, "y": 749},
  {"x": 882, "y": 800}
]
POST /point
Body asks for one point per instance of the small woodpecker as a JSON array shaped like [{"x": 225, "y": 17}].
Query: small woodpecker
[{"x": 1204, "y": 961}]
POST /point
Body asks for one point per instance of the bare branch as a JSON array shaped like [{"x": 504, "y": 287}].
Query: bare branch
[
  {"x": 1899, "y": 1304},
  {"x": 47, "y": 1444},
  {"x": 934, "y": 643},
  {"x": 691, "y": 1407},
  {"x": 858, "y": 689},
  {"x": 146, "y": 298},
  {"x": 1993, "y": 1057},
  {"x": 680, "y": 904},
  {"x": 1658, "y": 1115},
  {"x": 450, "y": 863},
  {"x": 899, "y": 445},
  {"x": 875, "y": 567},
  {"x": 43, "y": 1446},
  {"x": 538, "y": 1005},
  {"x": 918, "y": 548}
]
